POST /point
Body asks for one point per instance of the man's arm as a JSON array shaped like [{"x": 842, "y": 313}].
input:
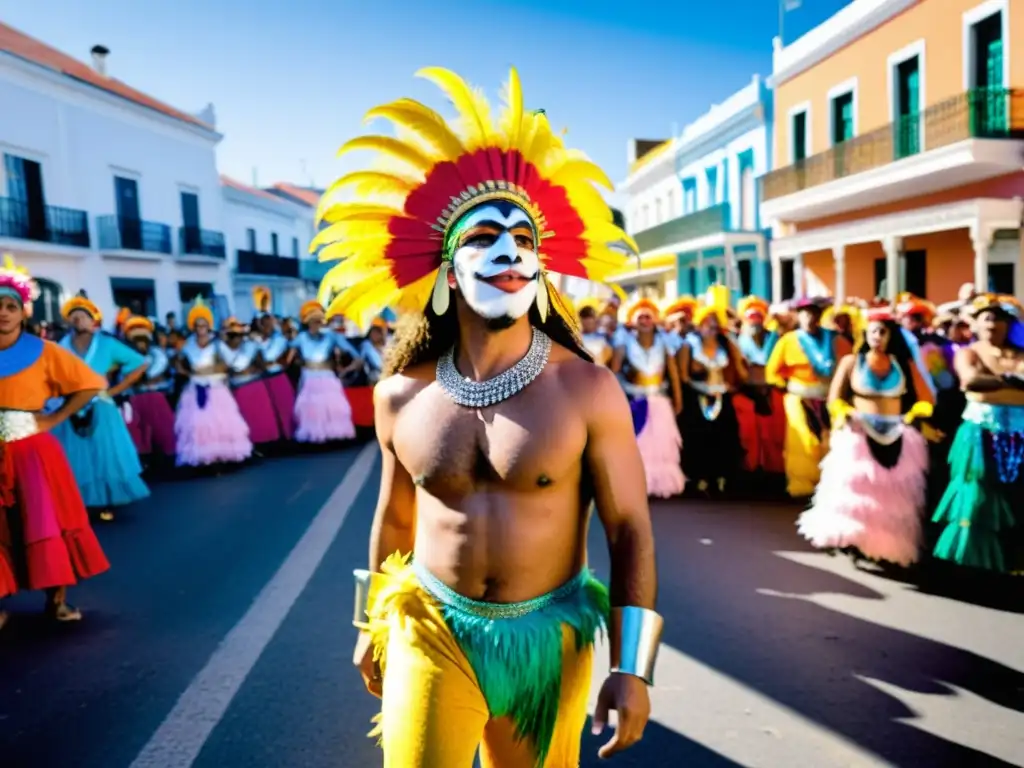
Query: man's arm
[{"x": 620, "y": 493}]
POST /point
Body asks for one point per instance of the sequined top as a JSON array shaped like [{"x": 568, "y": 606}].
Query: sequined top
[
  {"x": 646, "y": 366},
  {"x": 202, "y": 360},
  {"x": 273, "y": 349},
  {"x": 319, "y": 350}
]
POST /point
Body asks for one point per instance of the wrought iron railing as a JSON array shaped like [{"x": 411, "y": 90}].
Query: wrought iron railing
[
  {"x": 697, "y": 224},
  {"x": 193, "y": 241},
  {"x": 120, "y": 233},
  {"x": 44, "y": 223},
  {"x": 982, "y": 113},
  {"x": 255, "y": 263}
]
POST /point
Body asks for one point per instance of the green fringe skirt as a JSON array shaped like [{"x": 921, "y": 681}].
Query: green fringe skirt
[{"x": 977, "y": 509}]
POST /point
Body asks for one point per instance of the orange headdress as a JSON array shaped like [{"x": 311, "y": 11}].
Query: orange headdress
[
  {"x": 199, "y": 311},
  {"x": 753, "y": 307},
  {"x": 716, "y": 302},
  {"x": 396, "y": 241},
  {"x": 137, "y": 326},
  {"x": 76, "y": 303},
  {"x": 684, "y": 305},
  {"x": 261, "y": 298},
  {"x": 909, "y": 304},
  {"x": 311, "y": 309},
  {"x": 641, "y": 306}
]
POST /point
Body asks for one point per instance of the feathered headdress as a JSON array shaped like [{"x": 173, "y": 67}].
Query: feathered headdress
[
  {"x": 83, "y": 304},
  {"x": 261, "y": 297},
  {"x": 642, "y": 305},
  {"x": 684, "y": 305},
  {"x": 17, "y": 283},
  {"x": 199, "y": 311},
  {"x": 592, "y": 303},
  {"x": 137, "y": 326},
  {"x": 309, "y": 309},
  {"x": 909, "y": 304},
  {"x": 395, "y": 240},
  {"x": 751, "y": 306}
]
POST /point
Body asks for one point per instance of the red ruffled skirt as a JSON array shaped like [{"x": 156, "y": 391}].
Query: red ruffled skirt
[{"x": 45, "y": 537}]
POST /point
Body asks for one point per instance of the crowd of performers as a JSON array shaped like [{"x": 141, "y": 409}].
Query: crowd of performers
[
  {"x": 82, "y": 416},
  {"x": 881, "y": 417}
]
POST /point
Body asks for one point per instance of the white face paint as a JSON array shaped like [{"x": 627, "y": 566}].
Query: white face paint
[{"x": 496, "y": 264}]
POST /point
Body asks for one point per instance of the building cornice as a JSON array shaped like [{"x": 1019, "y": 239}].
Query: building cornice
[
  {"x": 240, "y": 197},
  {"x": 835, "y": 33},
  {"x": 89, "y": 91}
]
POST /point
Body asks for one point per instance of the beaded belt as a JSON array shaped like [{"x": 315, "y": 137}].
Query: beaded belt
[
  {"x": 447, "y": 596},
  {"x": 638, "y": 390},
  {"x": 319, "y": 366},
  {"x": 208, "y": 379},
  {"x": 242, "y": 380},
  {"x": 17, "y": 425},
  {"x": 807, "y": 391}
]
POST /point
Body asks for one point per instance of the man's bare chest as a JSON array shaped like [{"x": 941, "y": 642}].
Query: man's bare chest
[{"x": 524, "y": 443}]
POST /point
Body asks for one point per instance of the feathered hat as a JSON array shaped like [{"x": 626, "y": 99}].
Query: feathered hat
[
  {"x": 310, "y": 309},
  {"x": 137, "y": 326},
  {"x": 684, "y": 305},
  {"x": 396, "y": 241},
  {"x": 81, "y": 303},
  {"x": 17, "y": 283},
  {"x": 715, "y": 302},
  {"x": 751, "y": 307},
  {"x": 261, "y": 298},
  {"x": 592, "y": 303},
  {"x": 909, "y": 304},
  {"x": 199, "y": 311},
  {"x": 642, "y": 305}
]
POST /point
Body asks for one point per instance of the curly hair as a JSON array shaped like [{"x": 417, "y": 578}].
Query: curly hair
[{"x": 422, "y": 337}]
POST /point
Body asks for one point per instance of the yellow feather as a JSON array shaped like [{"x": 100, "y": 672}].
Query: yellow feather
[
  {"x": 358, "y": 212},
  {"x": 512, "y": 115},
  {"x": 350, "y": 229},
  {"x": 414, "y": 116},
  {"x": 369, "y": 183},
  {"x": 391, "y": 147},
  {"x": 472, "y": 107},
  {"x": 581, "y": 172}
]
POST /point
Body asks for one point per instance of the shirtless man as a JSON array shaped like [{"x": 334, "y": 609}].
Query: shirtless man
[{"x": 498, "y": 436}]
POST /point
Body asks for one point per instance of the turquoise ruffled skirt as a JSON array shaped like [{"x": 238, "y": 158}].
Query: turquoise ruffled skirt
[{"x": 103, "y": 457}]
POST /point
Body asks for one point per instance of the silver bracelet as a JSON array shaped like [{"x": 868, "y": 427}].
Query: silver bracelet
[
  {"x": 635, "y": 635},
  {"x": 362, "y": 579}
]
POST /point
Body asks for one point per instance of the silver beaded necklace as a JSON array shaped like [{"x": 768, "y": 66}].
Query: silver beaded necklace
[{"x": 480, "y": 394}]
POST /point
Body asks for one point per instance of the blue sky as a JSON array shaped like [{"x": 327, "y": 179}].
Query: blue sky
[{"x": 291, "y": 79}]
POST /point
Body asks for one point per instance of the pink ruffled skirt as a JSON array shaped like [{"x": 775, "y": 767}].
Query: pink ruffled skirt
[
  {"x": 660, "y": 445},
  {"x": 322, "y": 412},
  {"x": 209, "y": 427},
  {"x": 859, "y": 503}
]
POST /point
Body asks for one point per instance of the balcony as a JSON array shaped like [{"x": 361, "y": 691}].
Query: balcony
[
  {"x": 264, "y": 264},
  {"x": 971, "y": 137},
  {"x": 193, "y": 241},
  {"x": 709, "y": 221},
  {"x": 118, "y": 233},
  {"x": 313, "y": 270},
  {"x": 43, "y": 224}
]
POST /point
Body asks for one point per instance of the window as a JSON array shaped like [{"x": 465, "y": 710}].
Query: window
[
  {"x": 47, "y": 307},
  {"x": 273, "y": 244},
  {"x": 129, "y": 214},
  {"x": 842, "y": 118},
  {"x": 25, "y": 212},
  {"x": 250, "y": 239},
  {"x": 743, "y": 267},
  {"x": 1001, "y": 278},
  {"x": 295, "y": 247},
  {"x": 137, "y": 294},
  {"x": 799, "y": 136},
  {"x": 788, "y": 268},
  {"x": 908, "y": 107},
  {"x": 712, "y": 174},
  {"x": 881, "y": 282},
  {"x": 914, "y": 266},
  {"x": 192, "y": 233},
  {"x": 748, "y": 192},
  {"x": 689, "y": 195},
  {"x": 985, "y": 63}
]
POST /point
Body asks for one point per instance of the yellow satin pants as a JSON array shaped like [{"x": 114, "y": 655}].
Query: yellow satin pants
[
  {"x": 803, "y": 450},
  {"x": 433, "y": 714}
]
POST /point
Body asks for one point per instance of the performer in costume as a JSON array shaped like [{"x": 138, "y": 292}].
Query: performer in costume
[
  {"x": 803, "y": 362},
  {"x": 96, "y": 439},
  {"x": 208, "y": 425},
  {"x": 678, "y": 316},
  {"x": 650, "y": 372},
  {"x": 149, "y": 415},
  {"x": 322, "y": 412},
  {"x": 241, "y": 355},
  {"x": 371, "y": 351},
  {"x": 710, "y": 370},
  {"x": 495, "y": 626},
  {"x": 983, "y": 507},
  {"x": 595, "y": 342},
  {"x": 54, "y": 544},
  {"x": 872, "y": 491},
  {"x": 277, "y": 355},
  {"x": 760, "y": 411}
]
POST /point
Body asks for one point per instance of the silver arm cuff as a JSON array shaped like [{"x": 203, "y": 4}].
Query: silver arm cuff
[
  {"x": 362, "y": 579},
  {"x": 635, "y": 635}
]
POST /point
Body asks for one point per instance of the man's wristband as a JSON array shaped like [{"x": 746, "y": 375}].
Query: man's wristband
[
  {"x": 635, "y": 635},
  {"x": 362, "y": 598}
]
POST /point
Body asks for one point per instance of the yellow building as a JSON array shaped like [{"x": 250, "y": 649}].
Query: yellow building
[{"x": 898, "y": 140}]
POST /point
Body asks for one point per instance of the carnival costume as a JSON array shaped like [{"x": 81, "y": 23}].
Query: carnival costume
[
  {"x": 760, "y": 410},
  {"x": 274, "y": 350},
  {"x": 44, "y": 527},
  {"x": 873, "y": 481},
  {"x": 982, "y": 511},
  {"x": 708, "y": 421},
  {"x": 248, "y": 386},
  {"x": 209, "y": 427},
  {"x": 96, "y": 440},
  {"x": 646, "y": 381},
  {"x": 596, "y": 343},
  {"x": 148, "y": 413},
  {"x": 803, "y": 363},
  {"x": 322, "y": 411},
  {"x": 450, "y": 664}
]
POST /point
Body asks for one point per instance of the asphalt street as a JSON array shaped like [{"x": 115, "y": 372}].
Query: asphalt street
[{"x": 221, "y": 637}]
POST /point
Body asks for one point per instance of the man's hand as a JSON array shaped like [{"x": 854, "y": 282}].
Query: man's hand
[
  {"x": 627, "y": 695},
  {"x": 368, "y": 668}
]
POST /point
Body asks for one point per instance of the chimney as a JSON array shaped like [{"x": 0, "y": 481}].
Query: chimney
[
  {"x": 99, "y": 58},
  {"x": 208, "y": 115}
]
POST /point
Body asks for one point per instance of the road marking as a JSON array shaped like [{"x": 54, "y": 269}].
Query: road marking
[{"x": 181, "y": 736}]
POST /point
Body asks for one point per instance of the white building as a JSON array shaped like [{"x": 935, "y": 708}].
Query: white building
[
  {"x": 692, "y": 202},
  {"x": 268, "y": 238},
  {"x": 104, "y": 188}
]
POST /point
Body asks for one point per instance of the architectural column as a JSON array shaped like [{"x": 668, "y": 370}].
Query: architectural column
[
  {"x": 839, "y": 260},
  {"x": 776, "y": 263},
  {"x": 893, "y": 246},
  {"x": 731, "y": 271},
  {"x": 799, "y": 289},
  {"x": 981, "y": 237}
]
